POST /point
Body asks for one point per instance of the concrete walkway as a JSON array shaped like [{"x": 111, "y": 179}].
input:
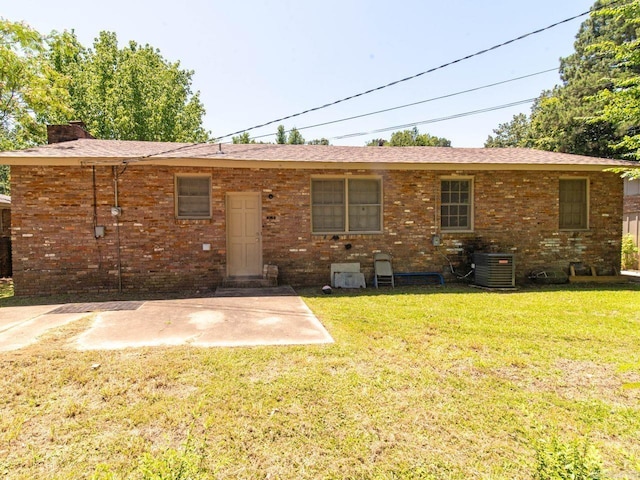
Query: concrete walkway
[{"x": 234, "y": 317}]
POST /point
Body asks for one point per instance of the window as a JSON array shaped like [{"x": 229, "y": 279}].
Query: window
[
  {"x": 456, "y": 204},
  {"x": 193, "y": 196},
  {"x": 5, "y": 222},
  {"x": 341, "y": 205},
  {"x": 573, "y": 204}
]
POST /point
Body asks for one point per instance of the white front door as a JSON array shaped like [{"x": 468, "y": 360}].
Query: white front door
[{"x": 244, "y": 234}]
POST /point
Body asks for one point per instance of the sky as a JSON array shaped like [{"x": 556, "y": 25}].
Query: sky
[{"x": 261, "y": 60}]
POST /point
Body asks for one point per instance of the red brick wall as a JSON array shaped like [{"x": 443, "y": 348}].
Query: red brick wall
[
  {"x": 631, "y": 203},
  {"x": 55, "y": 249},
  {"x": 65, "y": 133}
]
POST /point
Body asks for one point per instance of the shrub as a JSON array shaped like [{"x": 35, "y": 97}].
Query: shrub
[
  {"x": 629, "y": 253},
  {"x": 567, "y": 461}
]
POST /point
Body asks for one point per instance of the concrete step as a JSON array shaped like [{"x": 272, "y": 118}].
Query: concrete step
[{"x": 248, "y": 282}]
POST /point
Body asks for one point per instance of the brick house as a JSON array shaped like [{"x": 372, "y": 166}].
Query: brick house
[{"x": 103, "y": 215}]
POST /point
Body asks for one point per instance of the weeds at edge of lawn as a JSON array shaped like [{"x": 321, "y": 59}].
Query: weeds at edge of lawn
[
  {"x": 6, "y": 289},
  {"x": 574, "y": 460}
]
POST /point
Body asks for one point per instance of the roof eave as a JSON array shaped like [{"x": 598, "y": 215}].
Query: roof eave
[
  {"x": 46, "y": 161},
  {"x": 355, "y": 165},
  {"x": 227, "y": 162}
]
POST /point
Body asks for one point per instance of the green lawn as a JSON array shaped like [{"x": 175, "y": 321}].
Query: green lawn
[{"x": 430, "y": 383}]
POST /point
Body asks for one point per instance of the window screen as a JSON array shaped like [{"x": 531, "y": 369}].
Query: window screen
[
  {"x": 346, "y": 205},
  {"x": 193, "y": 197},
  {"x": 364, "y": 205},
  {"x": 328, "y": 200},
  {"x": 573, "y": 204}
]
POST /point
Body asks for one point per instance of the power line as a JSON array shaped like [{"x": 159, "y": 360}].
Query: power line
[
  {"x": 449, "y": 95},
  {"x": 435, "y": 120},
  {"x": 431, "y": 70}
]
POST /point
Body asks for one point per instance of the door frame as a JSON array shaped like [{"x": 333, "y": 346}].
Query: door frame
[{"x": 258, "y": 196}]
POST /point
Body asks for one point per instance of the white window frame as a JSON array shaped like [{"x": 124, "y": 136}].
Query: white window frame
[
  {"x": 345, "y": 207},
  {"x": 563, "y": 227},
  {"x": 191, "y": 216},
  {"x": 470, "y": 205}
]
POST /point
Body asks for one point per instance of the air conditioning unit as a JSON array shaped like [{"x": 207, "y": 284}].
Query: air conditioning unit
[{"x": 494, "y": 270}]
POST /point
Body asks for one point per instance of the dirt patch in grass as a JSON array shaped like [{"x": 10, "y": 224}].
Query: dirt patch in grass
[{"x": 577, "y": 380}]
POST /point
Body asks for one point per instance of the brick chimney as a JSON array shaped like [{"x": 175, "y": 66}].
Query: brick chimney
[{"x": 65, "y": 133}]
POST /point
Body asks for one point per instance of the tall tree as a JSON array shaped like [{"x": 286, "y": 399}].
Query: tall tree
[
  {"x": 515, "y": 133},
  {"x": 131, "y": 93},
  {"x": 243, "y": 138},
  {"x": 31, "y": 92},
  {"x": 281, "y": 135},
  {"x": 411, "y": 138},
  {"x": 295, "y": 137},
  {"x": 621, "y": 104},
  {"x": 569, "y": 117}
]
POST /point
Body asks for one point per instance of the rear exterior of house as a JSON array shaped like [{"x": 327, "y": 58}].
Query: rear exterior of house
[{"x": 103, "y": 216}]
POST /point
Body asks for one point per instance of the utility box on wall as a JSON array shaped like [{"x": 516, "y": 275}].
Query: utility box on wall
[{"x": 494, "y": 270}]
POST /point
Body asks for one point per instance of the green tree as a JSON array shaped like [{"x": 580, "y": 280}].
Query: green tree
[
  {"x": 243, "y": 138},
  {"x": 621, "y": 104},
  {"x": 569, "y": 118},
  {"x": 5, "y": 184},
  {"x": 411, "y": 138},
  {"x": 561, "y": 118},
  {"x": 129, "y": 93},
  {"x": 295, "y": 137},
  {"x": 281, "y": 135},
  {"x": 515, "y": 133},
  {"x": 318, "y": 141},
  {"x": 31, "y": 92}
]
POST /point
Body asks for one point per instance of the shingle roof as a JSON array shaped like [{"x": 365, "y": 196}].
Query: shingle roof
[{"x": 90, "y": 151}]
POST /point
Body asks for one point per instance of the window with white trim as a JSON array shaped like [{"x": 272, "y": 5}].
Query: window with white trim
[
  {"x": 346, "y": 205},
  {"x": 193, "y": 196},
  {"x": 456, "y": 204},
  {"x": 573, "y": 204}
]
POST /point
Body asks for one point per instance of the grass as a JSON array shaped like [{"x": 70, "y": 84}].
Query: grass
[{"x": 432, "y": 383}]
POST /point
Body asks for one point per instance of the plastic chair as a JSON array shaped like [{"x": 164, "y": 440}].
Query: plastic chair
[{"x": 383, "y": 271}]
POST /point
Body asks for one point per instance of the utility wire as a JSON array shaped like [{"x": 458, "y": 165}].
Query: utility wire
[
  {"x": 431, "y": 70},
  {"x": 435, "y": 120},
  {"x": 449, "y": 95}
]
